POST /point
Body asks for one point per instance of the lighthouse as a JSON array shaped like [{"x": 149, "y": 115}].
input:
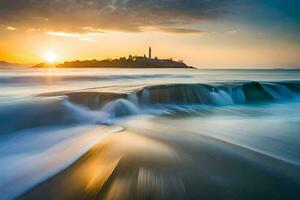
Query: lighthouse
[{"x": 150, "y": 53}]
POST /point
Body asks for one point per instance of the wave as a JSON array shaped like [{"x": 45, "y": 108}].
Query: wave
[
  {"x": 107, "y": 107},
  {"x": 192, "y": 94},
  {"x": 43, "y": 152},
  {"x": 120, "y": 108},
  {"x": 40, "y": 112}
]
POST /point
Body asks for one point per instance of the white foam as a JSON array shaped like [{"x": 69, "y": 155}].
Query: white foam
[{"x": 29, "y": 157}]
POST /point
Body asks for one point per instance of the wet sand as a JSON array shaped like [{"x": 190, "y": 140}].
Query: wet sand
[{"x": 168, "y": 163}]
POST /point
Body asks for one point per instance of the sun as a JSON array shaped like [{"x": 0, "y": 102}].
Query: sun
[{"x": 50, "y": 57}]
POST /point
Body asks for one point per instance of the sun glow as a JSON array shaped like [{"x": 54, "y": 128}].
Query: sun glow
[{"x": 50, "y": 57}]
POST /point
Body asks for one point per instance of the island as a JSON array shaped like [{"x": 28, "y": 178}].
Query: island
[
  {"x": 123, "y": 62},
  {"x": 4, "y": 64}
]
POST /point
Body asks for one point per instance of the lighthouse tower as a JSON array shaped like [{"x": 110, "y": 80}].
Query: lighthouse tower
[{"x": 150, "y": 53}]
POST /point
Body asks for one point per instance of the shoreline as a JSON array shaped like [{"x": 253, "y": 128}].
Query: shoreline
[
  {"x": 143, "y": 164},
  {"x": 41, "y": 163}
]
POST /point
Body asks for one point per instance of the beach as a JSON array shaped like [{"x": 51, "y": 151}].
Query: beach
[{"x": 168, "y": 163}]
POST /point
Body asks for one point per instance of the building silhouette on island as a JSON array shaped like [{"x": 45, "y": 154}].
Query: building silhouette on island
[
  {"x": 122, "y": 62},
  {"x": 150, "y": 52}
]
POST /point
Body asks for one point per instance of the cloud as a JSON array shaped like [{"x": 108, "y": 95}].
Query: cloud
[
  {"x": 64, "y": 34},
  {"x": 119, "y": 15},
  {"x": 172, "y": 30},
  {"x": 10, "y": 28},
  {"x": 84, "y": 36},
  {"x": 181, "y": 30}
]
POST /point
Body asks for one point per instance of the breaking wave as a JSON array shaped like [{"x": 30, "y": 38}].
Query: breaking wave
[
  {"x": 105, "y": 107},
  {"x": 192, "y": 94}
]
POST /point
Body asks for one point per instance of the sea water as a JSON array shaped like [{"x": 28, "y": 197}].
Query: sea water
[{"x": 46, "y": 111}]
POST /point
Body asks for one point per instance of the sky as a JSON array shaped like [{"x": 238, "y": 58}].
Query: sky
[{"x": 203, "y": 33}]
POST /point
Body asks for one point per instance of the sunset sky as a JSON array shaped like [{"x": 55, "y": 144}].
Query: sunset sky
[{"x": 203, "y": 33}]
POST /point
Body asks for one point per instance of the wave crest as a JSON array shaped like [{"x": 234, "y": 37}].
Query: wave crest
[{"x": 187, "y": 94}]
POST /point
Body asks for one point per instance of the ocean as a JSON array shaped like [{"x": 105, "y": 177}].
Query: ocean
[{"x": 49, "y": 118}]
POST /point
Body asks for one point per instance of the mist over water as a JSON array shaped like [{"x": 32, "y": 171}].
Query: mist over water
[{"x": 43, "y": 112}]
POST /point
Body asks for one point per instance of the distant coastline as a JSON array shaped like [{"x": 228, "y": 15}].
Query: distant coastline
[
  {"x": 4, "y": 64},
  {"x": 123, "y": 62}
]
